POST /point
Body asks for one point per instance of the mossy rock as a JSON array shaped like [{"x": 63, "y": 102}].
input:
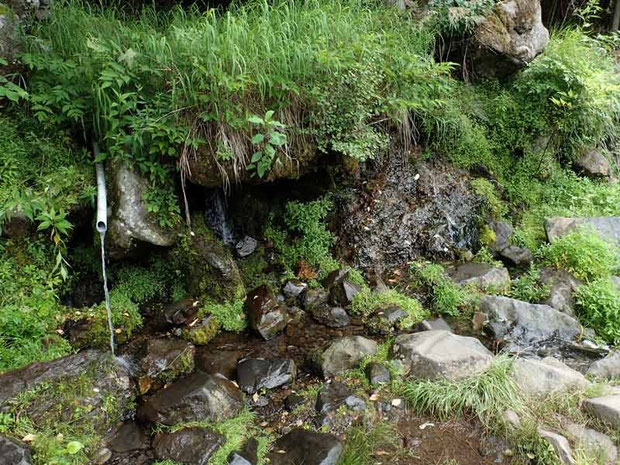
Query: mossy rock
[{"x": 203, "y": 332}]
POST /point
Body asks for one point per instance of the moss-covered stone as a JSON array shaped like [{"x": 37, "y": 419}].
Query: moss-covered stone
[{"x": 203, "y": 332}]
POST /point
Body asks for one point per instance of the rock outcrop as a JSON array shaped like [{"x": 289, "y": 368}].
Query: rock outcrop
[
  {"x": 608, "y": 227},
  {"x": 605, "y": 408},
  {"x": 608, "y": 367},
  {"x": 480, "y": 275},
  {"x": 593, "y": 164}
]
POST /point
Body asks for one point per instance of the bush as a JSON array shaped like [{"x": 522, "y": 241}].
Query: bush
[
  {"x": 583, "y": 253},
  {"x": 598, "y": 306}
]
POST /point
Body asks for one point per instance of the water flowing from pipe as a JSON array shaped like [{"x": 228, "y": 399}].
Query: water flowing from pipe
[{"x": 106, "y": 292}]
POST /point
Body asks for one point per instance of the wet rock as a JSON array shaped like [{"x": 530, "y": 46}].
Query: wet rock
[
  {"x": 129, "y": 437},
  {"x": 246, "y": 247},
  {"x": 179, "y": 313},
  {"x": 562, "y": 285},
  {"x": 214, "y": 361},
  {"x": 345, "y": 353},
  {"x": 191, "y": 446},
  {"x": 503, "y": 232},
  {"x": 608, "y": 227},
  {"x": 606, "y": 408},
  {"x": 167, "y": 359},
  {"x": 480, "y": 275},
  {"x": 591, "y": 440},
  {"x": 107, "y": 379},
  {"x": 335, "y": 394},
  {"x": 402, "y": 211},
  {"x": 199, "y": 396},
  {"x": 334, "y": 317},
  {"x": 541, "y": 377},
  {"x": 440, "y": 354},
  {"x": 608, "y": 367},
  {"x": 560, "y": 445},
  {"x": 525, "y": 323},
  {"x": 314, "y": 298},
  {"x": 341, "y": 290},
  {"x": 13, "y": 452},
  {"x": 255, "y": 374},
  {"x": 384, "y": 321},
  {"x": 247, "y": 456},
  {"x": 430, "y": 325},
  {"x": 201, "y": 330},
  {"x": 593, "y": 164},
  {"x": 516, "y": 256},
  {"x": 294, "y": 288},
  {"x": 305, "y": 447},
  {"x": 266, "y": 316},
  {"x": 509, "y": 38},
  {"x": 131, "y": 225},
  {"x": 377, "y": 373},
  {"x": 293, "y": 401}
]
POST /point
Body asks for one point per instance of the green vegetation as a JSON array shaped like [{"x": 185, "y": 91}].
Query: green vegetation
[
  {"x": 583, "y": 253},
  {"x": 529, "y": 287},
  {"x": 598, "y": 306},
  {"x": 366, "y": 302},
  {"x": 362, "y": 441},
  {"x": 446, "y": 296}
]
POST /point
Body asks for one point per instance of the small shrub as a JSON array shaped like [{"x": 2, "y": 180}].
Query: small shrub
[
  {"x": 583, "y": 253},
  {"x": 529, "y": 287},
  {"x": 447, "y": 297},
  {"x": 230, "y": 315},
  {"x": 598, "y": 305}
]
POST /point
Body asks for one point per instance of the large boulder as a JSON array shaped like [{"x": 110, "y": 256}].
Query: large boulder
[
  {"x": 593, "y": 164},
  {"x": 441, "y": 354},
  {"x": 608, "y": 227},
  {"x": 479, "y": 275},
  {"x": 191, "y": 446},
  {"x": 306, "y": 447},
  {"x": 131, "y": 224},
  {"x": 541, "y": 377},
  {"x": 605, "y": 408},
  {"x": 197, "y": 397},
  {"x": 608, "y": 367},
  {"x": 265, "y": 315},
  {"x": 13, "y": 452},
  {"x": 255, "y": 374},
  {"x": 524, "y": 323},
  {"x": 509, "y": 38},
  {"x": 345, "y": 354}
]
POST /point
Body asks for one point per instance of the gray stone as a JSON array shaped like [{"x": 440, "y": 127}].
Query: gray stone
[
  {"x": 608, "y": 227},
  {"x": 314, "y": 298},
  {"x": 167, "y": 358},
  {"x": 480, "y": 275},
  {"x": 608, "y": 367},
  {"x": 440, "y": 354},
  {"x": 294, "y": 288},
  {"x": 334, "y": 317},
  {"x": 383, "y": 321},
  {"x": 341, "y": 290},
  {"x": 503, "y": 232},
  {"x": 509, "y": 38},
  {"x": 345, "y": 354},
  {"x": 560, "y": 445},
  {"x": 541, "y": 377},
  {"x": 13, "y": 452},
  {"x": 130, "y": 223},
  {"x": 255, "y": 374},
  {"x": 129, "y": 437},
  {"x": 191, "y": 446},
  {"x": 512, "y": 418},
  {"x": 306, "y": 447},
  {"x": 247, "y": 456},
  {"x": 605, "y": 408},
  {"x": 377, "y": 373},
  {"x": 516, "y": 256},
  {"x": 266, "y": 316},
  {"x": 436, "y": 323},
  {"x": 246, "y": 247},
  {"x": 562, "y": 285},
  {"x": 199, "y": 396},
  {"x": 335, "y": 394},
  {"x": 593, "y": 164},
  {"x": 592, "y": 441},
  {"x": 522, "y": 322}
]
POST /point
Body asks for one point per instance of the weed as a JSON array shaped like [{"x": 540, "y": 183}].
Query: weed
[
  {"x": 447, "y": 297},
  {"x": 529, "y": 287},
  {"x": 363, "y": 441},
  {"x": 598, "y": 307}
]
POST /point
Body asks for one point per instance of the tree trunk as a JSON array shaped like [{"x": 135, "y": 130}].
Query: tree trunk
[{"x": 615, "y": 22}]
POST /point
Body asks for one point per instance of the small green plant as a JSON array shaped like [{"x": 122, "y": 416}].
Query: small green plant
[
  {"x": 488, "y": 192},
  {"x": 598, "y": 305},
  {"x": 529, "y": 287},
  {"x": 229, "y": 315},
  {"x": 268, "y": 140},
  {"x": 8, "y": 89},
  {"x": 583, "y": 253},
  {"x": 162, "y": 202},
  {"x": 446, "y": 296},
  {"x": 366, "y": 302},
  {"x": 58, "y": 225}
]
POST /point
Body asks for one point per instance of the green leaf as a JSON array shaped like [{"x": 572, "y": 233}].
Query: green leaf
[
  {"x": 269, "y": 115},
  {"x": 270, "y": 151},
  {"x": 258, "y": 138},
  {"x": 74, "y": 447},
  {"x": 257, "y": 156},
  {"x": 256, "y": 119}
]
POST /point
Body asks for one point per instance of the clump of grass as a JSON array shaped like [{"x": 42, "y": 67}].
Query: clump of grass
[
  {"x": 446, "y": 296},
  {"x": 366, "y": 302},
  {"x": 583, "y": 253},
  {"x": 362, "y": 441}
]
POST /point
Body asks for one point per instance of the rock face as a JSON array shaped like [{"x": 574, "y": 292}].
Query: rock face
[
  {"x": 540, "y": 377},
  {"x": 509, "y": 38},
  {"x": 304, "y": 447},
  {"x": 266, "y": 316},
  {"x": 345, "y": 353},
  {"x": 199, "y": 396},
  {"x": 480, "y": 275},
  {"x": 13, "y": 452},
  {"x": 608, "y": 368},
  {"x": 524, "y": 323},
  {"x": 131, "y": 223},
  {"x": 192, "y": 446},
  {"x": 560, "y": 445},
  {"x": 593, "y": 164},
  {"x": 561, "y": 287},
  {"x": 608, "y": 227},
  {"x": 256, "y": 374},
  {"x": 606, "y": 408},
  {"x": 440, "y": 354},
  {"x": 403, "y": 212}
]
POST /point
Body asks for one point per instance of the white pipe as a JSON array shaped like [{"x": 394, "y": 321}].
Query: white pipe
[{"x": 102, "y": 202}]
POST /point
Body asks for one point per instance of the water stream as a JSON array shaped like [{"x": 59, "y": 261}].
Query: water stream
[{"x": 106, "y": 292}]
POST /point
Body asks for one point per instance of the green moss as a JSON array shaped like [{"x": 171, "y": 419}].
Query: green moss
[
  {"x": 487, "y": 236},
  {"x": 366, "y": 302},
  {"x": 488, "y": 192},
  {"x": 203, "y": 332}
]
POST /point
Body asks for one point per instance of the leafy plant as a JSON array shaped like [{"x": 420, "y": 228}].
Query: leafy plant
[
  {"x": 598, "y": 304},
  {"x": 269, "y": 139},
  {"x": 446, "y": 296},
  {"x": 529, "y": 287},
  {"x": 8, "y": 89},
  {"x": 366, "y": 302}
]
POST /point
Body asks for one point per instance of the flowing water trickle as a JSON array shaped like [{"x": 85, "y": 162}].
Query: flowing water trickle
[
  {"x": 106, "y": 292},
  {"x": 217, "y": 217}
]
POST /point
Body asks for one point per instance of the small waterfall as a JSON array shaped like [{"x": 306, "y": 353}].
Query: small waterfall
[
  {"x": 216, "y": 216},
  {"x": 106, "y": 292}
]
